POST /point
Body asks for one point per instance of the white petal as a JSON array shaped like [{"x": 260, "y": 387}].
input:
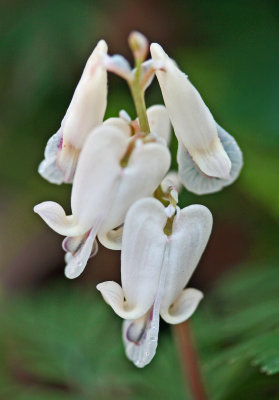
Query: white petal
[
  {"x": 98, "y": 175},
  {"x": 190, "y": 232},
  {"x": 184, "y": 306},
  {"x": 113, "y": 294},
  {"x": 119, "y": 123},
  {"x": 140, "y": 338},
  {"x": 191, "y": 119},
  {"x": 55, "y": 217},
  {"x": 112, "y": 239},
  {"x": 118, "y": 65},
  {"x": 66, "y": 161},
  {"x": 48, "y": 168},
  {"x": 77, "y": 262},
  {"x": 159, "y": 121},
  {"x": 172, "y": 179},
  {"x": 125, "y": 116},
  {"x": 88, "y": 105},
  {"x": 140, "y": 178},
  {"x": 197, "y": 182},
  {"x": 142, "y": 252},
  {"x": 85, "y": 112},
  {"x": 141, "y": 260},
  {"x": 147, "y": 73},
  {"x": 72, "y": 244}
]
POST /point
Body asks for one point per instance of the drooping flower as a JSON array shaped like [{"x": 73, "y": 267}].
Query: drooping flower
[
  {"x": 106, "y": 183},
  {"x": 85, "y": 112},
  {"x": 155, "y": 268},
  {"x": 208, "y": 157}
]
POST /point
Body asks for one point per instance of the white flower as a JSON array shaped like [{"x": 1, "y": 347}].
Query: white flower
[
  {"x": 154, "y": 271},
  {"x": 85, "y": 112},
  {"x": 200, "y": 141},
  {"x": 103, "y": 190}
]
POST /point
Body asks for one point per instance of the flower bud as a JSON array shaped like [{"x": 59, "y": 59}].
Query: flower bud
[{"x": 139, "y": 45}]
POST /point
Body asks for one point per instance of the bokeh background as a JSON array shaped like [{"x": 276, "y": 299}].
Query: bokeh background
[{"x": 58, "y": 340}]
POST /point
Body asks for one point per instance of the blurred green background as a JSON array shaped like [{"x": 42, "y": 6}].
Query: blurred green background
[{"x": 58, "y": 339}]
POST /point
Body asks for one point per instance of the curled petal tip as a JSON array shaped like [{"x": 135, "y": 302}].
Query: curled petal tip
[
  {"x": 184, "y": 307},
  {"x": 54, "y": 216}
]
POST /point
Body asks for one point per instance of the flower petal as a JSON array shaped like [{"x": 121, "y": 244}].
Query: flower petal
[
  {"x": 141, "y": 260},
  {"x": 118, "y": 65},
  {"x": 172, "y": 179},
  {"x": 54, "y": 216},
  {"x": 72, "y": 244},
  {"x": 75, "y": 263},
  {"x": 195, "y": 181},
  {"x": 140, "y": 178},
  {"x": 192, "y": 121},
  {"x": 85, "y": 112},
  {"x": 48, "y": 167},
  {"x": 141, "y": 337},
  {"x": 88, "y": 105},
  {"x": 119, "y": 123},
  {"x": 190, "y": 232},
  {"x": 111, "y": 239},
  {"x": 98, "y": 175},
  {"x": 159, "y": 121},
  {"x": 184, "y": 306},
  {"x": 113, "y": 294}
]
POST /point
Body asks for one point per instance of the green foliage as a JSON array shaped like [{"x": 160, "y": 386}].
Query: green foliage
[
  {"x": 238, "y": 333},
  {"x": 64, "y": 342}
]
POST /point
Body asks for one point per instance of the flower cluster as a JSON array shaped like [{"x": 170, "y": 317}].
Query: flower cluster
[{"x": 123, "y": 194}]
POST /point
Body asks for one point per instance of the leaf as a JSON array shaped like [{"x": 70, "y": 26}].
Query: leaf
[
  {"x": 64, "y": 339},
  {"x": 237, "y": 329}
]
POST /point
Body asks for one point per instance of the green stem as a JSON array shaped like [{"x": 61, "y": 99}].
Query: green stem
[{"x": 138, "y": 97}]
